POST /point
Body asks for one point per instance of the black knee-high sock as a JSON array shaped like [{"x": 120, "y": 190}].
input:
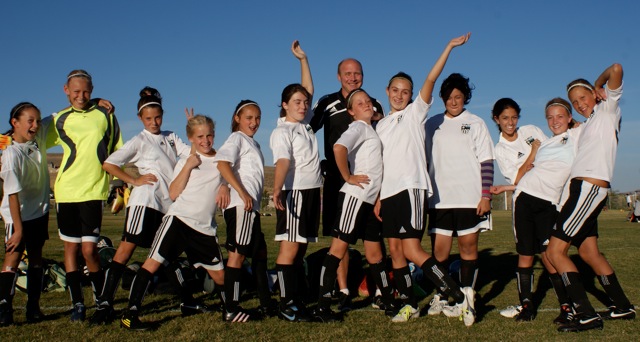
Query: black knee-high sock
[
  {"x": 468, "y": 273},
  {"x": 139, "y": 289},
  {"x": 286, "y": 280},
  {"x": 259, "y": 267},
  {"x": 7, "y": 287},
  {"x": 442, "y": 280},
  {"x": 577, "y": 293},
  {"x": 381, "y": 278},
  {"x": 112, "y": 277},
  {"x": 302, "y": 288},
  {"x": 328, "y": 275},
  {"x": 525, "y": 285},
  {"x": 232, "y": 276},
  {"x": 75, "y": 287},
  {"x": 404, "y": 284},
  {"x": 97, "y": 283},
  {"x": 559, "y": 289},
  {"x": 174, "y": 274},
  {"x": 614, "y": 291},
  {"x": 34, "y": 286}
]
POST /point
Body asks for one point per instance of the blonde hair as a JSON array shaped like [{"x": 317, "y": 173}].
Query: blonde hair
[{"x": 198, "y": 120}]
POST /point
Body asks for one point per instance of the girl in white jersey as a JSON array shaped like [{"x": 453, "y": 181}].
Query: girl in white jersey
[
  {"x": 296, "y": 189},
  {"x": 460, "y": 156},
  {"x": 155, "y": 153},
  {"x": 24, "y": 209},
  {"x": 590, "y": 181},
  {"x": 535, "y": 199},
  {"x": 241, "y": 164},
  {"x": 189, "y": 225},
  {"x": 405, "y": 185}
]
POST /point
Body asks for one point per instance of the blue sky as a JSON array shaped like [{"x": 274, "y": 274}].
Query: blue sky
[{"x": 211, "y": 54}]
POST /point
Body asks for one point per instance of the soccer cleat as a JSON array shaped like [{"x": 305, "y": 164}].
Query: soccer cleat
[
  {"x": 468, "y": 306},
  {"x": 324, "y": 315},
  {"x": 104, "y": 314},
  {"x": 405, "y": 313},
  {"x": 270, "y": 310},
  {"x": 511, "y": 311},
  {"x": 237, "y": 316},
  {"x": 193, "y": 309},
  {"x": 565, "y": 316},
  {"x": 615, "y": 313},
  {"x": 582, "y": 323},
  {"x": 78, "y": 313},
  {"x": 293, "y": 313},
  {"x": 131, "y": 321},
  {"x": 378, "y": 303},
  {"x": 526, "y": 315},
  {"x": 454, "y": 310},
  {"x": 436, "y": 305},
  {"x": 34, "y": 315},
  {"x": 6, "y": 314},
  {"x": 344, "y": 302}
]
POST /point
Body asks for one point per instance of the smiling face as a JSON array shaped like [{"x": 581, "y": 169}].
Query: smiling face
[
  {"x": 296, "y": 108},
  {"x": 350, "y": 76},
  {"x": 25, "y": 126},
  {"x": 201, "y": 138},
  {"x": 583, "y": 100},
  {"x": 454, "y": 104},
  {"x": 361, "y": 107},
  {"x": 78, "y": 90},
  {"x": 399, "y": 93},
  {"x": 248, "y": 120},
  {"x": 508, "y": 122},
  {"x": 558, "y": 119},
  {"x": 151, "y": 118}
]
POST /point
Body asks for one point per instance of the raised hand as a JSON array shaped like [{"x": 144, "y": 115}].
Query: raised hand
[{"x": 297, "y": 50}]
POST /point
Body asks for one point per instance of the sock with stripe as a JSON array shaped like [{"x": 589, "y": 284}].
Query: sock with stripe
[
  {"x": 381, "y": 278},
  {"x": 442, "y": 280},
  {"x": 328, "y": 275},
  {"x": 75, "y": 287},
  {"x": 139, "y": 289},
  {"x": 614, "y": 291},
  {"x": 576, "y": 291},
  {"x": 232, "y": 277},
  {"x": 525, "y": 285},
  {"x": 404, "y": 284}
]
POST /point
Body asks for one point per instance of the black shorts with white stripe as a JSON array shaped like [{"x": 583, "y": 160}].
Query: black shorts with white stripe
[
  {"x": 80, "y": 222},
  {"x": 355, "y": 220},
  {"x": 300, "y": 220},
  {"x": 578, "y": 218},
  {"x": 244, "y": 232},
  {"x": 533, "y": 222},
  {"x": 458, "y": 221},
  {"x": 34, "y": 233},
  {"x": 404, "y": 215},
  {"x": 140, "y": 225}
]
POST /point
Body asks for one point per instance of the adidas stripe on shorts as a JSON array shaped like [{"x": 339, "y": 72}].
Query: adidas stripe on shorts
[
  {"x": 300, "y": 220},
  {"x": 355, "y": 220},
  {"x": 244, "y": 233},
  {"x": 404, "y": 215},
  {"x": 141, "y": 224},
  {"x": 578, "y": 218},
  {"x": 79, "y": 222}
]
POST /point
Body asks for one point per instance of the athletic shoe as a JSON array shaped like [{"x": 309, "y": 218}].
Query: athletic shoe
[
  {"x": 294, "y": 313},
  {"x": 468, "y": 306},
  {"x": 193, "y": 309},
  {"x": 615, "y": 313},
  {"x": 511, "y": 311},
  {"x": 34, "y": 315},
  {"x": 344, "y": 304},
  {"x": 325, "y": 315},
  {"x": 237, "y": 316},
  {"x": 436, "y": 305},
  {"x": 582, "y": 323},
  {"x": 270, "y": 310},
  {"x": 378, "y": 303},
  {"x": 526, "y": 315},
  {"x": 454, "y": 310},
  {"x": 104, "y": 314},
  {"x": 406, "y": 312},
  {"x": 131, "y": 321},
  {"x": 78, "y": 313},
  {"x": 6, "y": 314},
  {"x": 565, "y": 316}
]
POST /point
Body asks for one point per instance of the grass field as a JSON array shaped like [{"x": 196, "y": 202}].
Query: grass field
[{"x": 496, "y": 287}]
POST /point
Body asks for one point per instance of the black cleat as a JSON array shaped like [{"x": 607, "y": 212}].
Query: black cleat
[
  {"x": 131, "y": 321},
  {"x": 526, "y": 315},
  {"x": 344, "y": 304},
  {"x": 104, "y": 314},
  {"x": 78, "y": 313},
  {"x": 325, "y": 315},
  {"x": 582, "y": 323},
  {"x": 34, "y": 315},
  {"x": 6, "y": 314},
  {"x": 615, "y": 313},
  {"x": 239, "y": 315},
  {"x": 565, "y": 316},
  {"x": 193, "y": 309},
  {"x": 293, "y": 313},
  {"x": 270, "y": 310}
]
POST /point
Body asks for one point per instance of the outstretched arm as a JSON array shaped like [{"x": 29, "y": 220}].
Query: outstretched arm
[
  {"x": 612, "y": 76},
  {"x": 427, "y": 88},
  {"x": 305, "y": 70}
]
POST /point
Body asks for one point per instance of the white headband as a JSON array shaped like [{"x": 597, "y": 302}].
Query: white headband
[
  {"x": 351, "y": 95},
  {"x": 580, "y": 85},
  {"x": 558, "y": 104},
  {"x": 79, "y": 74},
  {"x": 15, "y": 111},
  {"x": 148, "y": 104},
  {"x": 244, "y": 105}
]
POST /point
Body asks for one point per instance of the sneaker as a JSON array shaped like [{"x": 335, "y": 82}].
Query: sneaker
[
  {"x": 131, "y": 321},
  {"x": 294, "y": 314},
  {"x": 325, "y": 315},
  {"x": 468, "y": 306},
  {"x": 405, "y": 313},
  {"x": 378, "y": 303},
  {"x": 526, "y": 315},
  {"x": 270, "y": 310},
  {"x": 6, "y": 314},
  {"x": 565, "y": 316},
  {"x": 344, "y": 302},
  {"x": 237, "y": 316},
  {"x": 436, "y": 305},
  {"x": 511, "y": 311},
  {"x": 582, "y": 323},
  {"x": 193, "y": 309},
  {"x": 454, "y": 310},
  {"x": 78, "y": 313},
  {"x": 615, "y": 313},
  {"x": 104, "y": 314}
]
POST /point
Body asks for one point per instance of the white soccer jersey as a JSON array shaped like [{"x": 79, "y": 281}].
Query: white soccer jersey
[
  {"x": 510, "y": 155},
  {"x": 365, "y": 158},
  {"x": 155, "y": 154},
  {"x": 404, "y": 161},
  {"x": 599, "y": 140},
  {"x": 196, "y": 205},
  {"x": 455, "y": 148},
  {"x": 547, "y": 179},
  {"x": 25, "y": 172},
  {"x": 245, "y": 157},
  {"x": 296, "y": 142}
]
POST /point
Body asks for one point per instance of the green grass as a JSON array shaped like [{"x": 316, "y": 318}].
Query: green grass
[{"x": 620, "y": 242}]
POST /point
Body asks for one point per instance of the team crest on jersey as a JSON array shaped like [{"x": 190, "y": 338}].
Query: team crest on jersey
[
  {"x": 399, "y": 118},
  {"x": 520, "y": 154},
  {"x": 564, "y": 140},
  {"x": 529, "y": 140},
  {"x": 172, "y": 143},
  {"x": 465, "y": 128}
]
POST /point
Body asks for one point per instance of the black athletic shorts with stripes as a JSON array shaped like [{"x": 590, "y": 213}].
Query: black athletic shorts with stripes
[
  {"x": 80, "y": 222},
  {"x": 404, "y": 215},
  {"x": 355, "y": 220},
  {"x": 300, "y": 220},
  {"x": 578, "y": 218},
  {"x": 34, "y": 233},
  {"x": 141, "y": 224},
  {"x": 533, "y": 221},
  {"x": 244, "y": 232}
]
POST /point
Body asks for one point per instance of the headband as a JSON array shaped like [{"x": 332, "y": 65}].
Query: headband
[
  {"x": 79, "y": 74},
  {"x": 351, "y": 95},
  {"x": 244, "y": 105},
  {"x": 580, "y": 85},
  {"x": 558, "y": 104},
  {"x": 148, "y": 104},
  {"x": 15, "y": 111},
  {"x": 402, "y": 77}
]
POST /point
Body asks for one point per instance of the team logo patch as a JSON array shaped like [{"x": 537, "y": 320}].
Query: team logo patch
[
  {"x": 399, "y": 118},
  {"x": 308, "y": 128},
  {"x": 172, "y": 143},
  {"x": 520, "y": 154},
  {"x": 529, "y": 140},
  {"x": 564, "y": 140},
  {"x": 465, "y": 128}
]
